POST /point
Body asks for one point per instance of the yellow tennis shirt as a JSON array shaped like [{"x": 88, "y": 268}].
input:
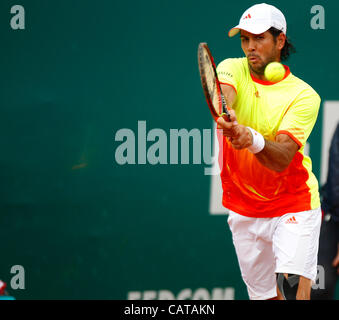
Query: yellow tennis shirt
[{"x": 290, "y": 107}]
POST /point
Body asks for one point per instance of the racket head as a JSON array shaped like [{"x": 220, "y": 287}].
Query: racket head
[{"x": 209, "y": 81}]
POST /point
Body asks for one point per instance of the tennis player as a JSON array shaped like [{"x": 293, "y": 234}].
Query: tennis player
[{"x": 268, "y": 185}]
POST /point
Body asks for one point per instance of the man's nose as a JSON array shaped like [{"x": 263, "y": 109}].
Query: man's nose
[{"x": 251, "y": 45}]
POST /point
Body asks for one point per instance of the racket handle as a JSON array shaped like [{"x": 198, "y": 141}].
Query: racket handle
[
  {"x": 224, "y": 109},
  {"x": 226, "y": 116}
]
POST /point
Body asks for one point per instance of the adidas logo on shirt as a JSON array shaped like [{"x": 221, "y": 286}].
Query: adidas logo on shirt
[{"x": 292, "y": 220}]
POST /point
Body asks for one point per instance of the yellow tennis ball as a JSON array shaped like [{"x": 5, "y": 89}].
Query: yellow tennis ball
[{"x": 274, "y": 72}]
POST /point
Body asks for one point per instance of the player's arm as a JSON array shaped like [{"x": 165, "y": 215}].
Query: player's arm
[
  {"x": 300, "y": 120},
  {"x": 275, "y": 155},
  {"x": 278, "y": 154}
]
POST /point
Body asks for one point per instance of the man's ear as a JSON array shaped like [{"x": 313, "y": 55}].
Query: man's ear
[{"x": 281, "y": 40}]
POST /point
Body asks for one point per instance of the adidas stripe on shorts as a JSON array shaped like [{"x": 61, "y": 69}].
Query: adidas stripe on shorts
[{"x": 266, "y": 246}]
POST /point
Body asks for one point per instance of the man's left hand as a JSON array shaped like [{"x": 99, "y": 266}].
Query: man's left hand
[
  {"x": 243, "y": 138},
  {"x": 238, "y": 135}
]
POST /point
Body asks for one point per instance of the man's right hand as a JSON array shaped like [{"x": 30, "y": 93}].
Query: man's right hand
[{"x": 228, "y": 127}]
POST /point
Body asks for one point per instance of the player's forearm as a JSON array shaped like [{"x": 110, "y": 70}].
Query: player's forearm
[{"x": 274, "y": 156}]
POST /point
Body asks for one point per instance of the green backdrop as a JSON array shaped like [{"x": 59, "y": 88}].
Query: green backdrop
[{"x": 83, "y": 226}]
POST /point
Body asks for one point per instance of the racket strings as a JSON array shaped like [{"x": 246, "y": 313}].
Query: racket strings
[{"x": 211, "y": 83}]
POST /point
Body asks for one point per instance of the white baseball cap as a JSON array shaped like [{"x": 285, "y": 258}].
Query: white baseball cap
[{"x": 259, "y": 18}]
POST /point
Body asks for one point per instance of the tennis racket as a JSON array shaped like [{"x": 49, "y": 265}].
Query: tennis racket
[{"x": 210, "y": 83}]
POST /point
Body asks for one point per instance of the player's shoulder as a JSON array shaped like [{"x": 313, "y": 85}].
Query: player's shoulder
[
  {"x": 238, "y": 62},
  {"x": 237, "y": 65},
  {"x": 304, "y": 88},
  {"x": 233, "y": 62}
]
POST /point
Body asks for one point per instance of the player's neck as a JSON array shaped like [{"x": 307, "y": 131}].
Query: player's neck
[{"x": 258, "y": 75}]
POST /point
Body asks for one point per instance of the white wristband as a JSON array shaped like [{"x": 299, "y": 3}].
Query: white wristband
[{"x": 258, "y": 141}]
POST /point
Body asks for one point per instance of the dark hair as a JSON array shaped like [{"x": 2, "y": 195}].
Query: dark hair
[{"x": 288, "y": 47}]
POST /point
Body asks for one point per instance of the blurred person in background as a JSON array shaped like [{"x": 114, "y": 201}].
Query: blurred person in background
[{"x": 328, "y": 256}]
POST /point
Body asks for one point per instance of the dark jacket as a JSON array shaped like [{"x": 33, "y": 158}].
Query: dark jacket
[{"x": 330, "y": 191}]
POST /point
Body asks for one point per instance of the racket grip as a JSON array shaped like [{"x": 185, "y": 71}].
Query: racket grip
[{"x": 226, "y": 116}]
